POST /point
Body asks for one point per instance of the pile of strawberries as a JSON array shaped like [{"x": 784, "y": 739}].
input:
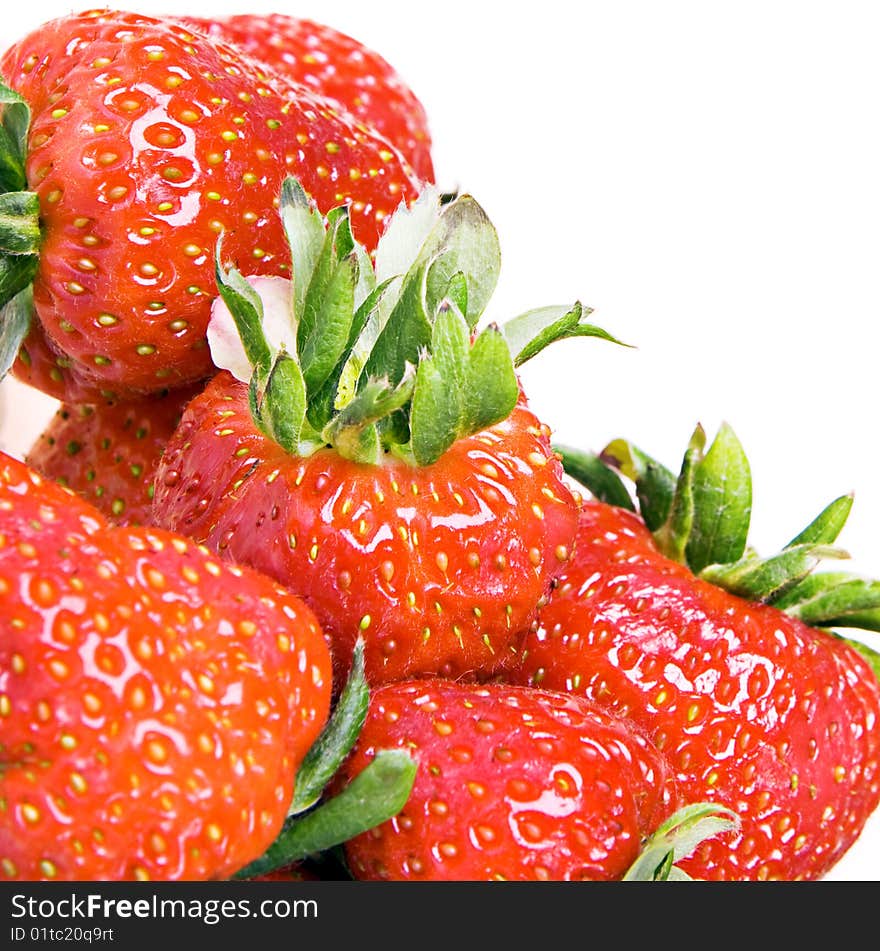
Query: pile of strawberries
[{"x": 296, "y": 584}]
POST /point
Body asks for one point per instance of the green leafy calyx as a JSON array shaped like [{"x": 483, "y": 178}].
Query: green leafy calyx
[
  {"x": 701, "y": 517},
  {"x": 383, "y": 355}
]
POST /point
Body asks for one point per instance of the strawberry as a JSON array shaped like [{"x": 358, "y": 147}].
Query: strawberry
[
  {"x": 335, "y": 65},
  {"x": 666, "y": 616},
  {"x": 108, "y": 452},
  {"x": 156, "y": 703},
  {"x": 376, "y": 455},
  {"x": 513, "y": 783},
  {"x": 131, "y": 144}
]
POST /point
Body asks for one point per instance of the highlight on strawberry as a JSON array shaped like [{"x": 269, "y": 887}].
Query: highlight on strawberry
[
  {"x": 731, "y": 662},
  {"x": 129, "y": 143},
  {"x": 371, "y": 449}
]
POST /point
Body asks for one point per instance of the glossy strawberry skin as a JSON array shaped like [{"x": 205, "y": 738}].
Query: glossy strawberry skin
[
  {"x": 147, "y": 141},
  {"x": 513, "y": 783},
  {"x": 441, "y": 568},
  {"x": 336, "y": 65},
  {"x": 155, "y": 702},
  {"x": 108, "y": 453},
  {"x": 754, "y": 709}
]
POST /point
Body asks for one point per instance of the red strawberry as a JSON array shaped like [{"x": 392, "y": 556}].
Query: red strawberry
[
  {"x": 146, "y": 142},
  {"x": 336, "y": 65},
  {"x": 754, "y": 708},
  {"x": 422, "y": 507},
  {"x": 513, "y": 783},
  {"x": 108, "y": 452},
  {"x": 155, "y": 702}
]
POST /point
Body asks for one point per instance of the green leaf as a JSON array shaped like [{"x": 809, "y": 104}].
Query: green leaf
[
  {"x": 834, "y": 599},
  {"x": 462, "y": 241},
  {"x": 460, "y": 389},
  {"x": 466, "y": 244},
  {"x": 655, "y": 484},
  {"x": 375, "y": 795},
  {"x": 337, "y": 738},
  {"x": 13, "y": 139},
  {"x": 677, "y": 838},
  {"x": 15, "y": 322},
  {"x": 247, "y": 311},
  {"x": 529, "y": 333},
  {"x": 722, "y": 503},
  {"x": 283, "y": 405},
  {"x": 491, "y": 386},
  {"x": 365, "y": 329},
  {"x": 765, "y": 579},
  {"x": 673, "y": 535},
  {"x": 600, "y": 479},
  {"x": 322, "y": 342},
  {"x": 304, "y": 228},
  {"x": 20, "y": 223},
  {"x": 320, "y": 289},
  {"x": 827, "y": 525},
  {"x": 438, "y": 397},
  {"x": 17, "y": 272}
]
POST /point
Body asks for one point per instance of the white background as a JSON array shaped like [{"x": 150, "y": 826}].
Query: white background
[{"x": 706, "y": 176}]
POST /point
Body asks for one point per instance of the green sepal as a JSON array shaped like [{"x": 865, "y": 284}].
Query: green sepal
[
  {"x": 375, "y": 795},
  {"x": 365, "y": 329},
  {"x": 322, "y": 344},
  {"x": 304, "y": 228},
  {"x": 655, "y": 484},
  {"x": 13, "y": 139},
  {"x": 834, "y": 599},
  {"x": 324, "y": 325},
  {"x": 673, "y": 535},
  {"x": 246, "y": 307},
  {"x": 438, "y": 396},
  {"x": 15, "y": 322},
  {"x": 352, "y": 431},
  {"x": 19, "y": 223},
  {"x": 281, "y": 407},
  {"x": 600, "y": 479},
  {"x": 529, "y": 333},
  {"x": 337, "y": 738},
  {"x": 722, "y": 503},
  {"x": 462, "y": 241},
  {"x": 676, "y": 838},
  {"x": 460, "y": 388},
  {"x": 767, "y": 579},
  {"x": 491, "y": 385},
  {"x": 827, "y": 525},
  {"x": 17, "y": 272}
]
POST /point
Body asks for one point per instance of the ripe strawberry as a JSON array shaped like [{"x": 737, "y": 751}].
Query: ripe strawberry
[
  {"x": 156, "y": 703},
  {"x": 513, "y": 783},
  {"x": 335, "y": 65},
  {"x": 108, "y": 452},
  {"x": 755, "y": 708},
  {"x": 422, "y": 507},
  {"x": 145, "y": 142}
]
